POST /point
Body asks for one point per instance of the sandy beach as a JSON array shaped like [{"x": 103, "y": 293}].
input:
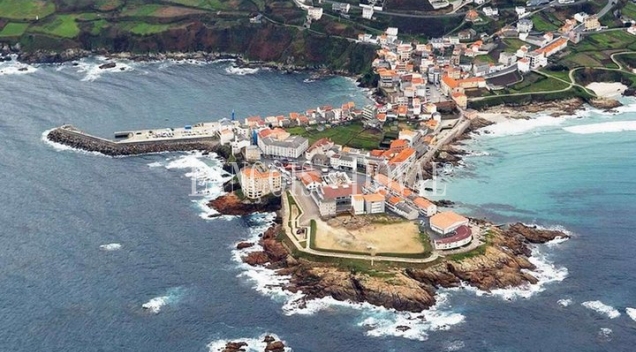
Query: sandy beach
[{"x": 607, "y": 90}]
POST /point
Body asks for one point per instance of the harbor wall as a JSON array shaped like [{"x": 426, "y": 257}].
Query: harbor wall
[{"x": 72, "y": 137}]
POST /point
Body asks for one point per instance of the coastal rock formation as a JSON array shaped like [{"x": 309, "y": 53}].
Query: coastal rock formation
[
  {"x": 501, "y": 262},
  {"x": 231, "y": 204},
  {"x": 605, "y": 103},
  {"x": 235, "y": 346},
  {"x": 243, "y": 245}
]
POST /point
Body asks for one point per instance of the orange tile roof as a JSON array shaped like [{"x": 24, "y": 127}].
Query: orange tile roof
[
  {"x": 358, "y": 197},
  {"x": 395, "y": 200},
  {"x": 402, "y": 110},
  {"x": 422, "y": 202},
  {"x": 398, "y": 143},
  {"x": 446, "y": 219},
  {"x": 377, "y": 152},
  {"x": 450, "y": 82},
  {"x": 254, "y": 173},
  {"x": 374, "y": 197},
  {"x": 293, "y": 115},
  {"x": 381, "y": 117}
]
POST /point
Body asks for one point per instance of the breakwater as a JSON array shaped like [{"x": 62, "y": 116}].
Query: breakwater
[{"x": 73, "y": 137}]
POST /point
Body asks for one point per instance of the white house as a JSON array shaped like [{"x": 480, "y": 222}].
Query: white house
[
  {"x": 367, "y": 12},
  {"x": 520, "y": 10},
  {"x": 491, "y": 12},
  {"x": 425, "y": 206},
  {"x": 523, "y": 65},
  {"x": 447, "y": 222},
  {"x": 580, "y": 17}
]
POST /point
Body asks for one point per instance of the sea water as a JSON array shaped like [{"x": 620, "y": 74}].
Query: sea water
[{"x": 112, "y": 254}]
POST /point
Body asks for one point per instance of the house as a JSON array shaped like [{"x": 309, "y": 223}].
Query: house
[
  {"x": 566, "y": 1},
  {"x": 340, "y": 7},
  {"x": 368, "y": 203},
  {"x": 467, "y": 34},
  {"x": 520, "y": 10},
  {"x": 460, "y": 99},
  {"x": 534, "y": 3},
  {"x": 554, "y": 47},
  {"x": 425, "y": 206},
  {"x": 310, "y": 179},
  {"x": 507, "y": 59},
  {"x": 523, "y": 65},
  {"x": 315, "y": 13},
  {"x": 251, "y": 153},
  {"x": 320, "y": 146},
  {"x": 591, "y": 23},
  {"x": 632, "y": 29},
  {"x": 568, "y": 26},
  {"x": 524, "y": 25},
  {"x": 461, "y": 237},
  {"x": 225, "y": 136},
  {"x": 580, "y": 17},
  {"x": 257, "y": 182},
  {"x": 479, "y": 2},
  {"x": 333, "y": 200},
  {"x": 490, "y": 11},
  {"x": 256, "y": 19},
  {"x": 401, "y": 208},
  {"x": 537, "y": 59},
  {"x": 472, "y": 16},
  {"x": 254, "y": 121},
  {"x": 401, "y": 162},
  {"x": 367, "y": 12},
  {"x": 339, "y": 161},
  {"x": 447, "y": 222}
]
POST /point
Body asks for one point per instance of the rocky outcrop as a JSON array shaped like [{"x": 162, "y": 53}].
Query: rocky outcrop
[
  {"x": 501, "y": 262},
  {"x": 605, "y": 103},
  {"x": 74, "y": 138},
  {"x": 243, "y": 245},
  {"x": 235, "y": 346},
  {"x": 273, "y": 345},
  {"x": 231, "y": 204}
]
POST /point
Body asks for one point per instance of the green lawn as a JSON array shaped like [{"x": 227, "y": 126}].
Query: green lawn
[
  {"x": 98, "y": 26},
  {"x": 13, "y": 29},
  {"x": 543, "y": 24},
  {"x": 630, "y": 10},
  {"x": 353, "y": 135},
  {"x": 534, "y": 82},
  {"x": 143, "y": 28},
  {"x": 513, "y": 44},
  {"x": 59, "y": 26},
  {"x": 205, "y": 4},
  {"x": 141, "y": 11},
  {"x": 25, "y": 9}
]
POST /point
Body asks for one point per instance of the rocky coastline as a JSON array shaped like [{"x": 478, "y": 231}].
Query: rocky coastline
[
  {"x": 232, "y": 204},
  {"x": 502, "y": 263},
  {"x": 271, "y": 345}
]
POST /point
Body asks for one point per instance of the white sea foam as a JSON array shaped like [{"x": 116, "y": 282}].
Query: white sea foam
[
  {"x": 602, "y": 308},
  {"x": 452, "y": 346},
  {"x": 253, "y": 344},
  {"x": 565, "y": 302},
  {"x": 631, "y": 312},
  {"x": 62, "y": 147},
  {"x": 241, "y": 71},
  {"x": 604, "y": 127},
  {"x": 207, "y": 177},
  {"x": 605, "y": 334},
  {"x": 110, "y": 247},
  {"x": 172, "y": 296},
  {"x": 91, "y": 70},
  {"x": 14, "y": 67},
  {"x": 512, "y": 127}
]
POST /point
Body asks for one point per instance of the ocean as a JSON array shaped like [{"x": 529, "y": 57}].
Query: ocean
[{"x": 88, "y": 240}]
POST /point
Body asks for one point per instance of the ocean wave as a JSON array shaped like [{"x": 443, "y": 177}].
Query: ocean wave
[
  {"x": 631, "y": 312},
  {"x": 452, "y": 346},
  {"x": 14, "y": 67},
  {"x": 513, "y": 127},
  {"x": 172, "y": 296},
  {"x": 207, "y": 176},
  {"x": 241, "y": 71},
  {"x": 92, "y": 72},
  {"x": 110, "y": 247},
  {"x": 605, "y": 334},
  {"x": 602, "y": 309},
  {"x": 565, "y": 302},
  {"x": 253, "y": 344},
  {"x": 604, "y": 127},
  {"x": 61, "y": 147}
]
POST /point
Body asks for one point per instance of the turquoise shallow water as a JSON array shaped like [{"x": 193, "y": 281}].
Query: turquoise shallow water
[{"x": 60, "y": 292}]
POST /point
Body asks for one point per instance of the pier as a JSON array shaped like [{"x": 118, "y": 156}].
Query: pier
[{"x": 188, "y": 138}]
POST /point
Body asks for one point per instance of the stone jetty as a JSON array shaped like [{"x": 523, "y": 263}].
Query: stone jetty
[{"x": 72, "y": 137}]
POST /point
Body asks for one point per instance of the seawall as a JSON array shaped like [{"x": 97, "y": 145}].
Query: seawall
[{"x": 72, "y": 137}]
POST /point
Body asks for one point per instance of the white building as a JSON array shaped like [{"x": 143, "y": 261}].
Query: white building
[
  {"x": 524, "y": 25},
  {"x": 425, "y": 206},
  {"x": 580, "y": 17},
  {"x": 463, "y": 236},
  {"x": 373, "y": 203},
  {"x": 340, "y": 7},
  {"x": 520, "y": 10},
  {"x": 225, "y": 136},
  {"x": 315, "y": 13},
  {"x": 279, "y": 143},
  {"x": 523, "y": 65},
  {"x": 447, "y": 222},
  {"x": 490, "y": 11},
  {"x": 256, "y": 182},
  {"x": 339, "y": 161},
  {"x": 537, "y": 59},
  {"x": 507, "y": 59},
  {"x": 367, "y": 12},
  {"x": 238, "y": 145}
]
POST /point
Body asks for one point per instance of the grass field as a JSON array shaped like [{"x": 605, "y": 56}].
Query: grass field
[
  {"x": 59, "y": 26},
  {"x": 26, "y": 9},
  {"x": 353, "y": 135},
  {"x": 143, "y": 28},
  {"x": 629, "y": 10},
  {"x": 543, "y": 24},
  {"x": 140, "y": 11},
  {"x": 513, "y": 44},
  {"x": 207, "y": 4},
  {"x": 534, "y": 82},
  {"x": 13, "y": 29}
]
